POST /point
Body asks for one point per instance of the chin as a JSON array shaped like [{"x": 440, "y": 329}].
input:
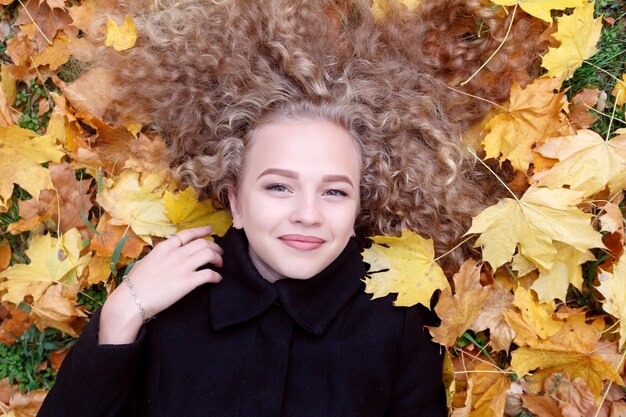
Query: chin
[{"x": 299, "y": 272}]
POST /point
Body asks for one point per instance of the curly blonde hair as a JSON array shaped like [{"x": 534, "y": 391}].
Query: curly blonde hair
[{"x": 208, "y": 73}]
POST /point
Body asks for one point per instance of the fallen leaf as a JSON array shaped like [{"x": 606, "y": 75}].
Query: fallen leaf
[
  {"x": 619, "y": 91},
  {"x": 380, "y": 8},
  {"x": 566, "y": 269},
  {"x": 5, "y": 254},
  {"x": 579, "y": 111},
  {"x": 578, "y": 34},
  {"x": 490, "y": 317},
  {"x": 185, "y": 211},
  {"x": 612, "y": 220},
  {"x": 137, "y": 203},
  {"x": 108, "y": 236},
  {"x": 27, "y": 405},
  {"x": 590, "y": 367},
  {"x": 535, "y": 320},
  {"x": 412, "y": 274},
  {"x": 147, "y": 154},
  {"x": 52, "y": 260},
  {"x": 541, "y": 8},
  {"x": 44, "y": 22},
  {"x": 533, "y": 223},
  {"x": 121, "y": 37},
  {"x": 541, "y": 405},
  {"x": 91, "y": 93},
  {"x": 56, "y": 309},
  {"x": 613, "y": 289},
  {"x": 457, "y": 312},
  {"x": 22, "y": 151},
  {"x": 587, "y": 163},
  {"x": 15, "y": 322},
  {"x": 56, "y": 54},
  {"x": 534, "y": 114}
]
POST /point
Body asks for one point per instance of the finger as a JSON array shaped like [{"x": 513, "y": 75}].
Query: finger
[
  {"x": 188, "y": 235},
  {"x": 204, "y": 276},
  {"x": 200, "y": 245},
  {"x": 204, "y": 257}
]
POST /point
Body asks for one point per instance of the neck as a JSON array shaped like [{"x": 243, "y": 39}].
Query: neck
[{"x": 264, "y": 270}]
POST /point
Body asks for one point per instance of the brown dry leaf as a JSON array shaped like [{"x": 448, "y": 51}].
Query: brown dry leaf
[
  {"x": 91, "y": 93},
  {"x": 48, "y": 22},
  {"x": 534, "y": 114},
  {"x": 457, "y": 312},
  {"x": 147, "y": 154},
  {"x": 490, "y": 317},
  {"x": 590, "y": 367},
  {"x": 109, "y": 236},
  {"x": 63, "y": 207},
  {"x": 20, "y": 48},
  {"x": 56, "y": 54},
  {"x": 541, "y": 405},
  {"x": 57, "y": 357},
  {"x": 56, "y": 308},
  {"x": 15, "y": 322},
  {"x": 82, "y": 14},
  {"x": 5, "y": 254},
  {"x": 27, "y": 405},
  {"x": 489, "y": 391},
  {"x": 618, "y": 410},
  {"x": 587, "y": 162},
  {"x": 612, "y": 220},
  {"x": 579, "y": 115},
  {"x": 574, "y": 396}
]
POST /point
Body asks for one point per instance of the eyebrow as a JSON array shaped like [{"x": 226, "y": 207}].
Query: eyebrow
[{"x": 292, "y": 174}]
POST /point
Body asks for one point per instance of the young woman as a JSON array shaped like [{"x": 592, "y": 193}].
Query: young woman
[{"x": 312, "y": 122}]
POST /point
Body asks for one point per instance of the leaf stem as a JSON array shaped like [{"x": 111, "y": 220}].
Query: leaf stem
[
  {"x": 452, "y": 250},
  {"x": 603, "y": 70},
  {"x": 506, "y": 37},
  {"x": 479, "y": 346},
  {"x": 494, "y": 174},
  {"x": 35, "y": 23},
  {"x": 608, "y": 387},
  {"x": 478, "y": 98},
  {"x": 608, "y": 131},
  {"x": 603, "y": 114}
]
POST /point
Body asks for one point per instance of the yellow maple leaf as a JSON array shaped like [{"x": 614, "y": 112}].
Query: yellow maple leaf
[
  {"x": 619, "y": 91},
  {"x": 592, "y": 368},
  {"x": 21, "y": 152},
  {"x": 566, "y": 269},
  {"x": 532, "y": 224},
  {"x": 537, "y": 321},
  {"x": 613, "y": 288},
  {"x": 587, "y": 162},
  {"x": 534, "y": 114},
  {"x": 412, "y": 274},
  {"x": 381, "y": 7},
  {"x": 541, "y": 8},
  {"x": 578, "y": 34},
  {"x": 121, "y": 37},
  {"x": 56, "y": 54},
  {"x": 185, "y": 211},
  {"x": 457, "y": 312},
  {"x": 489, "y": 391},
  {"x": 137, "y": 204},
  {"x": 52, "y": 260}
]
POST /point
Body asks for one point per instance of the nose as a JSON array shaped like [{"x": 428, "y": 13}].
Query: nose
[{"x": 306, "y": 210}]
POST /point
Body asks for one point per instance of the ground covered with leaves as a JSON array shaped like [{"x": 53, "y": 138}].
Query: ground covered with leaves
[{"x": 534, "y": 327}]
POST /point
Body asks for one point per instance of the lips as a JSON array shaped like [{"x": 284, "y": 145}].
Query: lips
[{"x": 302, "y": 242}]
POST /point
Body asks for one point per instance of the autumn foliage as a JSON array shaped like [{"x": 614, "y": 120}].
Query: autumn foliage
[{"x": 534, "y": 326}]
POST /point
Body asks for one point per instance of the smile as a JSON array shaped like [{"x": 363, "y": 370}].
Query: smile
[{"x": 301, "y": 242}]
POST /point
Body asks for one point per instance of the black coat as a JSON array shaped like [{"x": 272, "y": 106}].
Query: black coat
[{"x": 246, "y": 347}]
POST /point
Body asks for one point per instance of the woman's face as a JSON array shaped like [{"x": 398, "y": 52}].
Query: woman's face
[{"x": 298, "y": 196}]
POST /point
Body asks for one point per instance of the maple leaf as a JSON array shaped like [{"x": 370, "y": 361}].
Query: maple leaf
[
  {"x": 533, "y": 223},
  {"x": 541, "y": 405},
  {"x": 380, "y": 8},
  {"x": 619, "y": 91},
  {"x": 612, "y": 220},
  {"x": 587, "y": 162},
  {"x": 534, "y": 114},
  {"x": 5, "y": 254},
  {"x": 592, "y": 368},
  {"x": 535, "y": 320},
  {"x": 52, "y": 260},
  {"x": 486, "y": 393},
  {"x": 41, "y": 23},
  {"x": 147, "y": 154},
  {"x": 108, "y": 237},
  {"x": 21, "y": 152},
  {"x": 185, "y": 211},
  {"x": 65, "y": 205},
  {"x": 413, "y": 273},
  {"x": 121, "y": 37},
  {"x": 15, "y": 322},
  {"x": 613, "y": 288},
  {"x": 579, "y": 113},
  {"x": 137, "y": 202},
  {"x": 566, "y": 269},
  {"x": 457, "y": 312},
  {"x": 56, "y": 54},
  {"x": 56, "y": 309},
  {"x": 541, "y": 8},
  {"x": 490, "y": 317},
  {"x": 8, "y": 91},
  {"x": 578, "y": 34}
]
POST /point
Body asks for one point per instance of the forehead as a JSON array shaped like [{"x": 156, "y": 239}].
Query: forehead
[{"x": 303, "y": 145}]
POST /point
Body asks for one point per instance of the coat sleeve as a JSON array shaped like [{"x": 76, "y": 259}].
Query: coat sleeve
[
  {"x": 95, "y": 380},
  {"x": 418, "y": 389}
]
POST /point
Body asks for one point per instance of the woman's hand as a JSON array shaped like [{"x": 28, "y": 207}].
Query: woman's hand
[{"x": 164, "y": 276}]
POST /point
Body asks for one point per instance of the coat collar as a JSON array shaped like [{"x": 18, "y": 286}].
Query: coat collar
[{"x": 313, "y": 303}]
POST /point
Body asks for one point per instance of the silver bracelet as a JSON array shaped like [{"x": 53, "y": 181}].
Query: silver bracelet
[{"x": 137, "y": 300}]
